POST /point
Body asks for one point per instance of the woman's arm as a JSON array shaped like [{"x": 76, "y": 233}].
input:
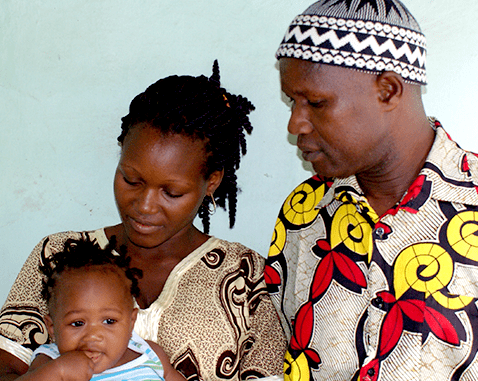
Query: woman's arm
[
  {"x": 21, "y": 321},
  {"x": 170, "y": 374},
  {"x": 10, "y": 366},
  {"x": 268, "y": 349}
]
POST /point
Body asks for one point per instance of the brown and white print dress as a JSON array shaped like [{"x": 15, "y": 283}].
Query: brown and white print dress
[{"x": 214, "y": 318}]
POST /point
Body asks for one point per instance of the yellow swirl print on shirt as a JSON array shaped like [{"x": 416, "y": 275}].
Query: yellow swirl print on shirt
[
  {"x": 351, "y": 228},
  {"x": 296, "y": 368},
  {"x": 462, "y": 234},
  {"x": 427, "y": 268},
  {"x": 299, "y": 207},
  {"x": 278, "y": 239}
]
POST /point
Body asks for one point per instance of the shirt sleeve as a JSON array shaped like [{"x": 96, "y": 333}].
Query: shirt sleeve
[{"x": 50, "y": 350}]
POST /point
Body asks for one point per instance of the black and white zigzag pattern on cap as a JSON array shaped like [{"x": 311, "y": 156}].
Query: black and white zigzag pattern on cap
[
  {"x": 365, "y": 45},
  {"x": 391, "y": 12}
]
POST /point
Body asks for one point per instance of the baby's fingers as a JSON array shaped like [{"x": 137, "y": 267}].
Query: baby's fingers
[{"x": 76, "y": 366}]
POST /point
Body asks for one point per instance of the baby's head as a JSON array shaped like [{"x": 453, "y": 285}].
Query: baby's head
[{"x": 90, "y": 295}]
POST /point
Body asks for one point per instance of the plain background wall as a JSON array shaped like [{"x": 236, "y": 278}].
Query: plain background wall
[{"x": 68, "y": 70}]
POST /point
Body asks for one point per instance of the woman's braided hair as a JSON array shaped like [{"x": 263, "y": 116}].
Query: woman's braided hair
[
  {"x": 198, "y": 107},
  {"x": 83, "y": 253}
]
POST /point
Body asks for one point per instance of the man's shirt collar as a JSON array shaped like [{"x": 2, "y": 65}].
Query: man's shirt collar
[{"x": 450, "y": 174}]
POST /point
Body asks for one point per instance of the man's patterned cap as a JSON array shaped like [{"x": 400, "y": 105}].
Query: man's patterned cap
[{"x": 366, "y": 35}]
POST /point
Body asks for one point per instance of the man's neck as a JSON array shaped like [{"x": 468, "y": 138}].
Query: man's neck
[{"x": 385, "y": 186}]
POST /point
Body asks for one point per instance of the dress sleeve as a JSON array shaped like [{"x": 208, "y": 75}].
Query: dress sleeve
[
  {"x": 22, "y": 328},
  {"x": 266, "y": 355}
]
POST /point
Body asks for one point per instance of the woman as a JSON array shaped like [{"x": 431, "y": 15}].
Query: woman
[{"x": 201, "y": 298}]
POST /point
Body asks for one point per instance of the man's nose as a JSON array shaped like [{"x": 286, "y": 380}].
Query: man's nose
[{"x": 299, "y": 122}]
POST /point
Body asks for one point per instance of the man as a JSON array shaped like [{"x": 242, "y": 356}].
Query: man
[{"x": 373, "y": 265}]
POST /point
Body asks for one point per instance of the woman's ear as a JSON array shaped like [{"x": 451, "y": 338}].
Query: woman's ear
[
  {"x": 49, "y": 326},
  {"x": 390, "y": 89},
  {"x": 214, "y": 181}
]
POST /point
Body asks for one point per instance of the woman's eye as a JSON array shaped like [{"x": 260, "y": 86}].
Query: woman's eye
[
  {"x": 78, "y": 324},
  {"x": 109, "y": 321},
  {"x": 172, "y": 194}
]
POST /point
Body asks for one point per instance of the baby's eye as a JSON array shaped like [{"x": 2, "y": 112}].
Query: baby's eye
[
  {"x": 78, "y": 324},
  {"x": 109, "y": 321}
]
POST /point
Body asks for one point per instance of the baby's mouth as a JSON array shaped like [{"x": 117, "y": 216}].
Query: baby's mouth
[{"x": 93, "y": 355}]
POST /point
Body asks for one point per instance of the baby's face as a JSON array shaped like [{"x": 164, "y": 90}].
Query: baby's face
[{"x": 92, "y": 311}]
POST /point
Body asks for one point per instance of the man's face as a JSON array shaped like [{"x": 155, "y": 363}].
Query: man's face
[{"x": 337, "y": 117}]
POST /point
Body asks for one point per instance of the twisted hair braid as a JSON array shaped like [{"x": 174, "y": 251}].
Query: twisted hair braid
[
  {"x": 82, "y": 253},
  {"x": 198, "y": 107}
]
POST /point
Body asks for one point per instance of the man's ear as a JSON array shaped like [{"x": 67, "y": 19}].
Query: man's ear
[
  {"x": 214, "y": 181},
  {"x": 390, "y": 88},
  {"x": 49, "y": 326}
]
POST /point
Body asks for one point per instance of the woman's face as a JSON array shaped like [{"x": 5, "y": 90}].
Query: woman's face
[{"x": 159, "y": 185}]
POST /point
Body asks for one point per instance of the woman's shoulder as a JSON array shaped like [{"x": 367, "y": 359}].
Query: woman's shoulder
[
  {"x": 235, "y": 247},
  {"x": 234, "y": 253},
  {"x": 63, "y": 236},
  {"x": 55, "y": 242}
]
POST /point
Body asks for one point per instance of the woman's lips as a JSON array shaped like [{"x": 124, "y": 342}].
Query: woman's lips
[{"x": 143, "y": 227}]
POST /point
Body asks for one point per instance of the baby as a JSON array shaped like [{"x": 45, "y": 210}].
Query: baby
[{"x": 90, "y": 295}]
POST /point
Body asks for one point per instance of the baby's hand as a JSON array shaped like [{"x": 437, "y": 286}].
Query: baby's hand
[
  {"x": 73, "y": 366},
  {"x": 70, "y": 366}
]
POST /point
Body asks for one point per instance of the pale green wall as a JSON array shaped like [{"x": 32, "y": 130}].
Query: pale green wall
[{"x": 68, "y": 70}]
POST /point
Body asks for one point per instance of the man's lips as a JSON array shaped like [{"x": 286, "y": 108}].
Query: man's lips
[{"x": 309, "y": 154}]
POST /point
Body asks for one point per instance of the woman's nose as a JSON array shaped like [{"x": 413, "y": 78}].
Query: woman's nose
[
  {"x": 299, "y": 122},
  {"x": 148, "y": 201}
]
